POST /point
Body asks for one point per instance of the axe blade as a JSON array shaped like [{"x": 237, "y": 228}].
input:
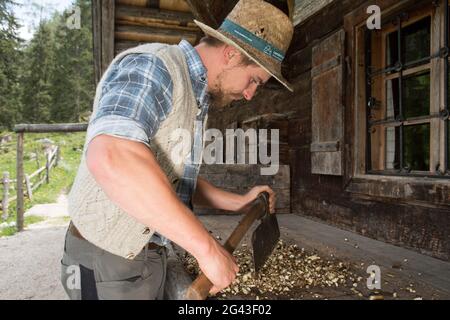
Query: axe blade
[{"x": 264, "y": 240}]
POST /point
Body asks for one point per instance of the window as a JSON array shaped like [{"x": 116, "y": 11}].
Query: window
[{"x": 405, "y": 66}]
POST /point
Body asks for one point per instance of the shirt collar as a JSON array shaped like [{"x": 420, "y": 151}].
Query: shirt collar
[
  {"x": 195, "y": 64},
  {"x": 198, "y": 74}
]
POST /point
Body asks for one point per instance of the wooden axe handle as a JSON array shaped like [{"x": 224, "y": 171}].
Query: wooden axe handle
[{"x": 201, "y": 286}]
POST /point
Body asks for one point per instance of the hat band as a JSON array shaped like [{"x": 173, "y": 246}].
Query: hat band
[{"x": 251, "y": 39}]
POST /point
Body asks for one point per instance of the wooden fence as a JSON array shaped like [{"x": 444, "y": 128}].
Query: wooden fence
[
  {"x": 39, "y": 176},
  {"x": 24, "y": 180}
]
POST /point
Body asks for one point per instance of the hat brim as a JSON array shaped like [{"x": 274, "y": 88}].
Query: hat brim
[{"x": 214, "y": 33}]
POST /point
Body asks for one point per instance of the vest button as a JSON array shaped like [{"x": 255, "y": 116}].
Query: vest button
[
  {"x": 146, "y": 231},
  {"x": 130, "y": 256}
]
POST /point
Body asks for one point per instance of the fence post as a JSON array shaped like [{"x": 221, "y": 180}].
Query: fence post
[
  {"x": 28, "y": 185},
  {"x": 58, "y": 155},
  {"x": 5, "y": 199},
  {"x": 20, "y": 199},
  {"x": 37, "y": 159},
  {"x": 47, "y": 167}
]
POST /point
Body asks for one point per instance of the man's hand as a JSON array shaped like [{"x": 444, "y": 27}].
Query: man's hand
[
  {"x": 255, "y": 191},
  {"x": 219, "y": 267}
]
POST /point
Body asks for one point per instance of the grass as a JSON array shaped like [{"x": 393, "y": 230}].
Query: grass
[
  {"x": 61, "y": 177},
  {"x": 9, "y": 231}
]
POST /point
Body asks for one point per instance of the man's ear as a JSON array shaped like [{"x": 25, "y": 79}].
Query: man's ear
[{"x": 230, "y": 54}]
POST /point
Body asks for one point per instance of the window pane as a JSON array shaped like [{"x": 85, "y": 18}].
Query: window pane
[
  {"x": 416, "y": 153},
  {"x": 416, "y": 95},
  {"x": 392, "y": 100},
  {"x": 392, "y": 148},
  {"x": 392, "y": 49},
  {"x": 415, "y": 42}
]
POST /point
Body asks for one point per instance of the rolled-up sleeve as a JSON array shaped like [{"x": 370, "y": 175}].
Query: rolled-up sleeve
[{"x": 136, "y": 98}]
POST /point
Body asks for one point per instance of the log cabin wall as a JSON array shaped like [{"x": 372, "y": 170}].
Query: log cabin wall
[
  {"x": 413, "y": 220},
  {"x": 122, "y": 24}
]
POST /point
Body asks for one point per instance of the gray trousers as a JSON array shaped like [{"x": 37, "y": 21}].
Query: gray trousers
[{"x": 90, "y": 273}]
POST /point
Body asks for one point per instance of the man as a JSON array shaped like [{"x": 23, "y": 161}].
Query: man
[{"x": 130, "y": 196}]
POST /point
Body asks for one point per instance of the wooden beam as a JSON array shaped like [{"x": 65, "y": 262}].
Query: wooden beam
[
  {"x": 103, "y": 35},
  {"x": 19, "y": 187},
  {"x": 148, "y": 34},
  {"x": 107, "y": 38},
  {"x": 96, "y": 38},
  {"x": 122, "y": 45},
  {"x": 46, "y": 128},
  {"x": 174, "y": 5},
  {"x": 128, "y": 15}
]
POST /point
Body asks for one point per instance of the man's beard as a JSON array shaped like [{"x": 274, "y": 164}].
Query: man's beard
[{"x": 219, "y": 98}]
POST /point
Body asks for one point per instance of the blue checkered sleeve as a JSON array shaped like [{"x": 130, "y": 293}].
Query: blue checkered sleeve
[{"x": 136, "y": 97}]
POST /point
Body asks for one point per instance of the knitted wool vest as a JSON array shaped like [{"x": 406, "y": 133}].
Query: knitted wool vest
[{"x": 98, "y": 219}]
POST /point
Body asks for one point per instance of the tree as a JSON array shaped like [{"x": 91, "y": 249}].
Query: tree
[
  {"x": 38, "y": 64},
  {"x": 10, "y": 56},
  {"x": 73, "y": 74}
]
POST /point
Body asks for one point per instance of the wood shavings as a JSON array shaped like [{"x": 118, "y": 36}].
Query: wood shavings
[{"x": 288, "y": 269}]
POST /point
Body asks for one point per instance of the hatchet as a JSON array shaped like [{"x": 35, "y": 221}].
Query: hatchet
[{"x": 264, "y": 240}]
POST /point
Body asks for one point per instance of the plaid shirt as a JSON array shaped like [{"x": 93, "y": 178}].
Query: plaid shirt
[{"x": 137, "y": 97}]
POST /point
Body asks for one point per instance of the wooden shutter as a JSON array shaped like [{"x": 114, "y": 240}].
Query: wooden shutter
[{"x": 327, "y": 105}]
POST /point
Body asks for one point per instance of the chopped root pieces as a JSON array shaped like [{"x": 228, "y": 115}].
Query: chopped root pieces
[{"x": 288, "y": 270}]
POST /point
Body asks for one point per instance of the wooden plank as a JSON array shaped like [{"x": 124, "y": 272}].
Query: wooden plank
[
  {"x": 47, "y": 168},
  {"x": 330, "y": 64},
  {"x": 37, "y": 172},
  {"x": 19, "y": 188},
  {"x": 97, "y": 36},
  {"x": 304, "y": 9},
  {"x": 136, "y": 3},
  {"x": 28, "y": 185},
  {"x": 329, "y": 146},
  {"x": 175, "y": 5},
  {"x": 107, "y": 33},
  {"x": 127, "y": 15},
  {"x": 405, "y": 190},
  {"x": 39, "y": 183},
  {"x": 148, "y": 34},
  {"x": 48, "y": 128}
]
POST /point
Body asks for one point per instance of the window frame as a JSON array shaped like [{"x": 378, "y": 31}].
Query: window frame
[
  {"x": 377, "y": 157},
  {"x": 409, "y": 188}
]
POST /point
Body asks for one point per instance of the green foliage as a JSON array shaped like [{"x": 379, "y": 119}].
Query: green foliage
[
  {"x": 10, "y": 57},
  {"x": 51, "y": 78},
  {"x": 73, "y": 76},
  {"x": 38, "y": 68}
]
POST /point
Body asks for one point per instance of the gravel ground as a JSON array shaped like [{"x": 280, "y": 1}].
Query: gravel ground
[{"x": 30, "y": 261}]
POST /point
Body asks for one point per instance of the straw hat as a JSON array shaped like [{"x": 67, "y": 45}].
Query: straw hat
[{"x": 259, "y": 30}]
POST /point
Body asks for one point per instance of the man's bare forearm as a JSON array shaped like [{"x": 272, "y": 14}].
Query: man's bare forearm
[
  {"x": 130, "y": 175},
  {"x": 208, "y": 195}
]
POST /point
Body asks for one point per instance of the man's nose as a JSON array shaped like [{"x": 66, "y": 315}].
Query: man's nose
[{"x": 249, "y": 93}]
